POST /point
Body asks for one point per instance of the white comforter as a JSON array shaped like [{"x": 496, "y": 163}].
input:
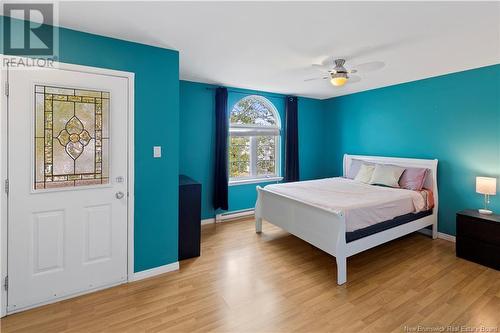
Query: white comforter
[{"x": 362, "y": 204}]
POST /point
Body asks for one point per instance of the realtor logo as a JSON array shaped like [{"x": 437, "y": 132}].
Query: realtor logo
[{"x": 28, "y": 31}]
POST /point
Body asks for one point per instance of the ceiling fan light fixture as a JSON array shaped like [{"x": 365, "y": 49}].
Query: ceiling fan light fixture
[{"x": 338, "y": 81}]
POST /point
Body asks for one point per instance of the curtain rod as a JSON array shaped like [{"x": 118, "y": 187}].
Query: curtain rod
[{"x": 252, "y": 92}]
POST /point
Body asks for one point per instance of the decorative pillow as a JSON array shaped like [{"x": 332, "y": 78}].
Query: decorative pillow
[
  {"x": 365, "y": 173},
  {"x": 413, "y": 179},
  {"x": 386, "y": 175},
  {"x": 354, "y": 168}
]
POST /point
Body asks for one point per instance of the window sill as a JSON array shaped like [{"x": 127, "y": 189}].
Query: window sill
[{"x": 254, "y": 181}]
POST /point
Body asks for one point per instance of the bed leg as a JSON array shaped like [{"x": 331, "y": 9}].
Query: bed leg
[
  {"x": 258, "y": 225},
  {"x": 434, "y": 231},
  {"x": 341, "y": 270}
]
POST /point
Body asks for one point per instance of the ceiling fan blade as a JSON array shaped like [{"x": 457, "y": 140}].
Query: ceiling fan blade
[
  {"x": 316, "y": 78},
  {"x": 353, "y": 79},
  {"x": 321, "y": 68},
  {"x": 370, "y": 66}
]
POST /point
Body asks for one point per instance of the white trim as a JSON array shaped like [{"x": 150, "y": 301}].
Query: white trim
[
  {"x": 207, "y": 221},
  {"x": 440, "y": 235},
  {"x": 254, "y": 181},
  {"x": 131, "y": 173},
  {"x": 3, "y": 195},
  {"x": 248, "y": 130},
  {"x": 155, "y": 271},
  {"x": 253, "y": 157},
  {"x": 4, "y": 172},
  {"x": 447, "y": 237},
  {"x": 252, "y": 131}
]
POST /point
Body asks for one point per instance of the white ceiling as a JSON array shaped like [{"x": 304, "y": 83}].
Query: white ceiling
[{"x": 270, "y": 46}]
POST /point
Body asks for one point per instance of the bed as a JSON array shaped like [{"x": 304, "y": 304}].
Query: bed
[{"x": 342, "y": 217}]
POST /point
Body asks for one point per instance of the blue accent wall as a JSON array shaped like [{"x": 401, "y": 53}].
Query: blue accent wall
[
  {"x": 156, "y": 124},
  {"x": 454, "y": 118},
  {"x": 197, "y": 137}
]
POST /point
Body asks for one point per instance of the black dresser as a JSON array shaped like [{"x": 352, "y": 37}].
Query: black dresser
[
  {"x": 478, "y": 238},
  {"x": 189, "y": 218}
]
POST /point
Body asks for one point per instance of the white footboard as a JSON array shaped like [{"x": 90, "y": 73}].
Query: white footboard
[{"x": 320, "y": 227}]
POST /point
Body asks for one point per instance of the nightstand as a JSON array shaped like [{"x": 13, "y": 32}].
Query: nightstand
[{"x": 478, "y": 238}]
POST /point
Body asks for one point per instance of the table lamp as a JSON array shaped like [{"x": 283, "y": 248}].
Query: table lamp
[{"x": 486, "y": 186}]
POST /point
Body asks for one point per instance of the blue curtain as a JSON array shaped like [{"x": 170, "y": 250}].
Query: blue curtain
[
  {"x": 221, "y": 136},
  {"x": 291, "y": 140}
]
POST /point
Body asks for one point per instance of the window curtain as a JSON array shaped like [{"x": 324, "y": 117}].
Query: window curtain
[
  {"x": 291, "y": 140},
  {"x": 221, "y": 136}
]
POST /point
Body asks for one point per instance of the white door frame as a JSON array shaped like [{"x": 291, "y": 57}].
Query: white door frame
[{"x": 4, "y": 163}]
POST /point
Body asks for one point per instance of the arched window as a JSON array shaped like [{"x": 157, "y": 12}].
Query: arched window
[{"x": 254, "y": 139}]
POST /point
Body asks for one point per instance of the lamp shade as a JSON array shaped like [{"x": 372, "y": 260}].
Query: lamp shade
[{"x": 486, "y": 185}]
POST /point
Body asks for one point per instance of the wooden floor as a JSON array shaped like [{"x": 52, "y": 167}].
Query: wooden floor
[{"x": 274, "y": 282}]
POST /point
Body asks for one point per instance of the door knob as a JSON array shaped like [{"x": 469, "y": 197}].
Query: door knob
[{"x": 119, "y": 195}]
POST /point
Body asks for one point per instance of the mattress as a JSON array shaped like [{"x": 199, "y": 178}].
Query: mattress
[
  {"x": 397, "y": 221},
  {"x": 363, "y": 204}
]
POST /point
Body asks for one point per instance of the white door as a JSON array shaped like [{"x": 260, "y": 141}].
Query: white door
[{"x": 67, "y": 166}]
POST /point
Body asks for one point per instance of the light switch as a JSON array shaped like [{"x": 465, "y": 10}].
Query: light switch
[{"x": 157, "y": 151}]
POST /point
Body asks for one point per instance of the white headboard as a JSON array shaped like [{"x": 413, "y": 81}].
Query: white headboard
[{"x": 430, "y": 181}]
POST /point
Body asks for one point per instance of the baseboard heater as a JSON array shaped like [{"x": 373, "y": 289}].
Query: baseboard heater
[{"x": 234, "y": 215}]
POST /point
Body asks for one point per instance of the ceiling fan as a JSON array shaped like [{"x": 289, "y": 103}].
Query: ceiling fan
[{"x": 340, "y": 75}]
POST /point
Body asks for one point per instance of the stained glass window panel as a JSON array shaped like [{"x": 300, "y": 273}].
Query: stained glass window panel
[{"x": 71, "y": 137}]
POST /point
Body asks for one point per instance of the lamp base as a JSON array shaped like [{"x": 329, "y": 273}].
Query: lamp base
[{"x": 485, "y": 211}]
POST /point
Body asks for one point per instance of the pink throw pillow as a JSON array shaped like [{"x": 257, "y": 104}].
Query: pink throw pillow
[{"x": 413, "y": 178}]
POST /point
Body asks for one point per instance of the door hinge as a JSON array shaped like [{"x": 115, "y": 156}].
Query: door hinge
[
  {"x": 6, "y": 186},
  {"x": 6, "y": 88},
  {"x": 6, "y": 283}
]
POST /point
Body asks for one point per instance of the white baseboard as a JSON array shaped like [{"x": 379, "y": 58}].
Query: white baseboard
[
  {"x": 447, "y": 237},
  {"x": 155, "y": 271},
  {"x": 441, "y": 235},
  {"x": 208, "y": 221}
]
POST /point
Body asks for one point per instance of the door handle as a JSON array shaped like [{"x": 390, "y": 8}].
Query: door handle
[{"x": 119, "y": 195}]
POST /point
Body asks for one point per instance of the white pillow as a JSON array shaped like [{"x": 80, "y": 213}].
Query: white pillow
[
  {"x": 387, "y": 175},
  {"x": 365, "y": 173}
]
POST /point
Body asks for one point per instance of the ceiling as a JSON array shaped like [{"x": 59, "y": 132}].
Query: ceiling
[{"x": 270, "y": 46}]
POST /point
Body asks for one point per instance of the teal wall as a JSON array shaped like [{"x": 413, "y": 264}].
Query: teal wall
[
  {"x": 197, "y": 137},
  {"x": 454, "y": 118},
  {"x": 156, "y": 123}
]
